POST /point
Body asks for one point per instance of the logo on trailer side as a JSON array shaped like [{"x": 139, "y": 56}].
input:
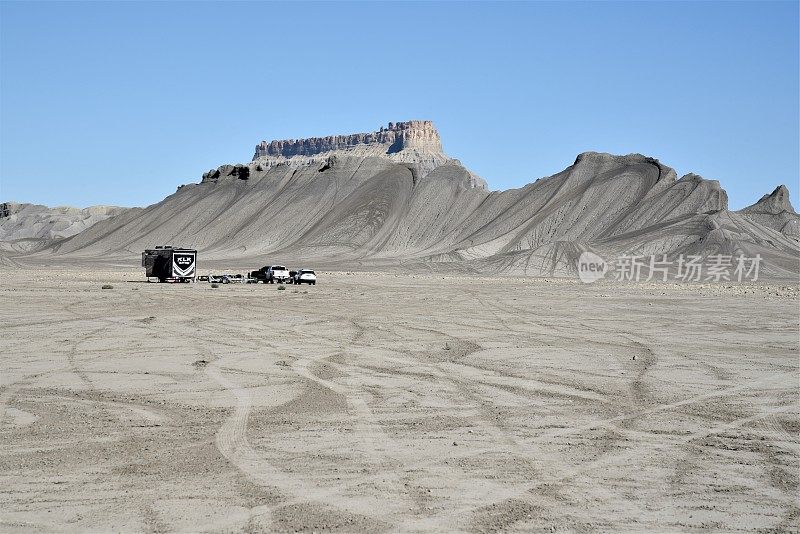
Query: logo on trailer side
[{"x": 183, "y": 264}]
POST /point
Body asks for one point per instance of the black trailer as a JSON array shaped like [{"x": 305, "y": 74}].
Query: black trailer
[{"x": 170, "y": 264}]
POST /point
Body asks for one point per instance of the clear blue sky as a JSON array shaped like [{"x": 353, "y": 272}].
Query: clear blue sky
[{"x": 119, "y": 103}]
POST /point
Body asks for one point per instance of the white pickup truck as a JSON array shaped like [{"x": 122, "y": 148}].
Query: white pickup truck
[{"x": 277, "y": 273}]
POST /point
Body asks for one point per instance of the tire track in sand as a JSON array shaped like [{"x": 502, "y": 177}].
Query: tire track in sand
[
  {"x": 233, "y": 444},
  {"x": 11, "y": 389}
]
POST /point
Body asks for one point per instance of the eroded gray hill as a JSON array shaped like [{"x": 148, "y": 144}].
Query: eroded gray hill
[
  {"x": 27, "y": 227},
  {"x": 361, "y": 201}
]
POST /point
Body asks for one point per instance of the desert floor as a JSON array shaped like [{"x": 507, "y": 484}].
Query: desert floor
[{"x": 382, "y": 402}]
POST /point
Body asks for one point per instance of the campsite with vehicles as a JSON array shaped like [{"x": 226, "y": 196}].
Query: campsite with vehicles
[{"x": 169, "y": 264}]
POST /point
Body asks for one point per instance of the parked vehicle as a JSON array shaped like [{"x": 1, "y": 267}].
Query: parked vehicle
[
  {"x": 260, "y": 275},
  {"x": 277, "y": 273},
  {"x": 170, "y": 264},
  {"x": 305, "y": 276},
  {"x": 227, "y": 278}
]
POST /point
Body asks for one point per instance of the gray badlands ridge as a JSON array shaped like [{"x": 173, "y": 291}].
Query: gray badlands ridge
[
  {"x": 392, "y": 198},
  {"x": 31, "y": 225}
]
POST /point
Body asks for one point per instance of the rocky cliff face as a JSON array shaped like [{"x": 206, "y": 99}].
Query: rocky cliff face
[
  {"x": 397, "y": 136},
  {"x": 414, "y": 142}
]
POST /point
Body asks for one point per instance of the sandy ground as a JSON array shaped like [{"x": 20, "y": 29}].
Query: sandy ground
[{"x": 395, "y": 403}]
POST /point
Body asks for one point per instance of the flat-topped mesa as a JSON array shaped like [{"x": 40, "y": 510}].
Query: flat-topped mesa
[
  {"x": 414, "y": 143},
  {"x": 420, "y": 135}
]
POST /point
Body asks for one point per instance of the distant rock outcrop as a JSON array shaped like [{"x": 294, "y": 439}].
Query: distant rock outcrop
[
  {"x": 775, "y": 202},
  {"x": 414, "y": 142},
  {"x": 242, "y": 172},
  {"x": 775, "y": 211},
  {"x": 396, "y": 137}
]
